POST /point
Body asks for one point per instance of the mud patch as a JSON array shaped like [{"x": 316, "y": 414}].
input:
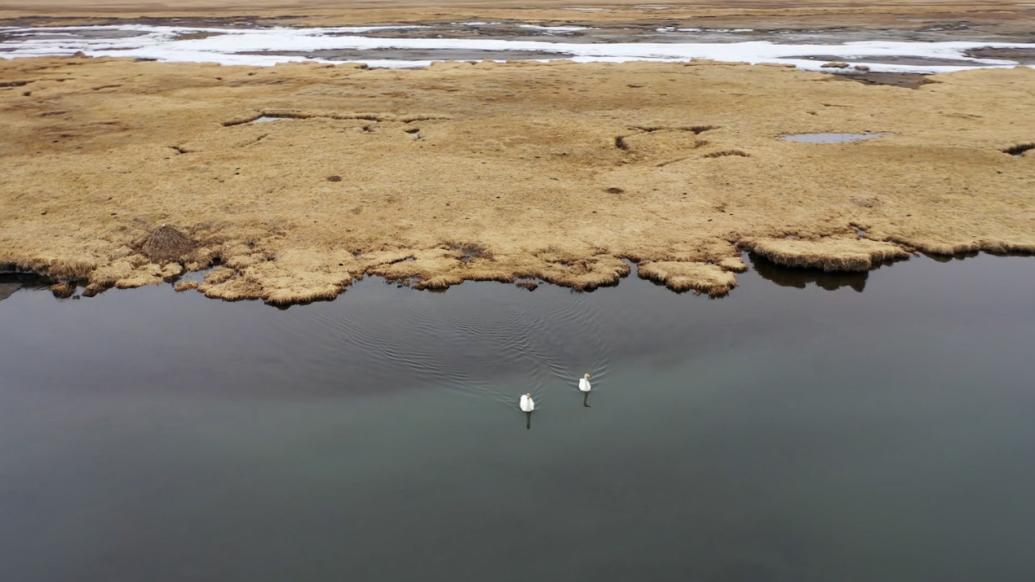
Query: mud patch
[
  {"x": 1019, "y": 149},
  {"x": 198, "y": 35},
  {"x": 845, "y": 62},
  {"x": 275, "y": 115},
  {"x": 903, "y": 80},
  {"x": 419, "y": 57},
  {"x": 1024, "y": 56},
  {"x": 695, "y": 129},
  {"x": 727, "y": 153}
]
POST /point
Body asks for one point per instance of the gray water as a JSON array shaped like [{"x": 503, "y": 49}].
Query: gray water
[{"x": 810, "y": 427}]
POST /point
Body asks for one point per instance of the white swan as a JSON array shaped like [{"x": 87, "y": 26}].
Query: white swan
[
  {"x": 527, "y": 404},
  {"x": 584, "y": 385}
]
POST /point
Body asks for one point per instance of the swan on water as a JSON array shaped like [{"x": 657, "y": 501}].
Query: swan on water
[
  {"x": 527, "y": 404},
  {"x": 584, "y": 385}
]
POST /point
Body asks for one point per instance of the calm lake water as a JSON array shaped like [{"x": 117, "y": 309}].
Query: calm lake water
[{"x": 823, "y": 428}]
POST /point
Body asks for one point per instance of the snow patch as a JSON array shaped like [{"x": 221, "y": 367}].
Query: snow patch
[{"x": 239, "y": 46}]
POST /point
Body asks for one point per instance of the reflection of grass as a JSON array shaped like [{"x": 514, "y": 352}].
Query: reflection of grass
[{"x": 800, "y": 278}]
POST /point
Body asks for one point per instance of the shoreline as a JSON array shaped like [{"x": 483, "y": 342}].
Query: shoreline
[
  {"x": 446, "y": 185},
  {"x": 292, "y": 181},
  {"x": 766, "y": 268}
]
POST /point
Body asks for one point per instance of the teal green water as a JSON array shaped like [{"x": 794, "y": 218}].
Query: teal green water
[{"x": 821, "y": 428}]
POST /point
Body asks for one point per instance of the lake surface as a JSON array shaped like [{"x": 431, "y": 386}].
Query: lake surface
[{"x": 809, "y": 427}]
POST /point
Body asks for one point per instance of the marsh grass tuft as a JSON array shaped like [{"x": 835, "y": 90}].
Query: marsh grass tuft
[{"x": 166, "y": 244}]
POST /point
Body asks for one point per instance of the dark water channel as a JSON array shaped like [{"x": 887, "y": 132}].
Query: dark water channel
[{"x": 810, "y": 427}]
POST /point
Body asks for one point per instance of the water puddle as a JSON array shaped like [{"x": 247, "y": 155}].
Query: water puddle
[
  {"x": 847, "y": 63},
  {"x": 832, "y": 138},
  {"x": 269, "y": 119},
  {"x": 904, "y": 80},
  {"x": 194, "y": 276}
]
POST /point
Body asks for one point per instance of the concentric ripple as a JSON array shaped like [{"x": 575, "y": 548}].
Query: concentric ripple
[{"x": 471, "y": 350}]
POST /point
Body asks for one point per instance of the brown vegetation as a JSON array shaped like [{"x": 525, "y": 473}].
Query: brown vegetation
[
  {"x": 167, "y": 244},
  {"x": 517, "y": 176},
  {"x": 63, "y": 290},
  {"x": 686, "y": 276},
  {"x": 826, "y": 254}
]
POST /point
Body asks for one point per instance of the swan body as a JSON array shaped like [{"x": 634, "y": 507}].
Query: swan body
[
  {"x": 527, "y": 403},
  {"x": 584, "y": 385}
]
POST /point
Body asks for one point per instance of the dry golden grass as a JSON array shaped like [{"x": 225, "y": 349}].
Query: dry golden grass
[
  {"x": 686, "y": 276},
  {"x": 516, "y": 173},
  {"x": 830, "y": 253}
]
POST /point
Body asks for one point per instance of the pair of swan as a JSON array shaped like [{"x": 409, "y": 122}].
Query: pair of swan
[{"x": 527, "y": 403}]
